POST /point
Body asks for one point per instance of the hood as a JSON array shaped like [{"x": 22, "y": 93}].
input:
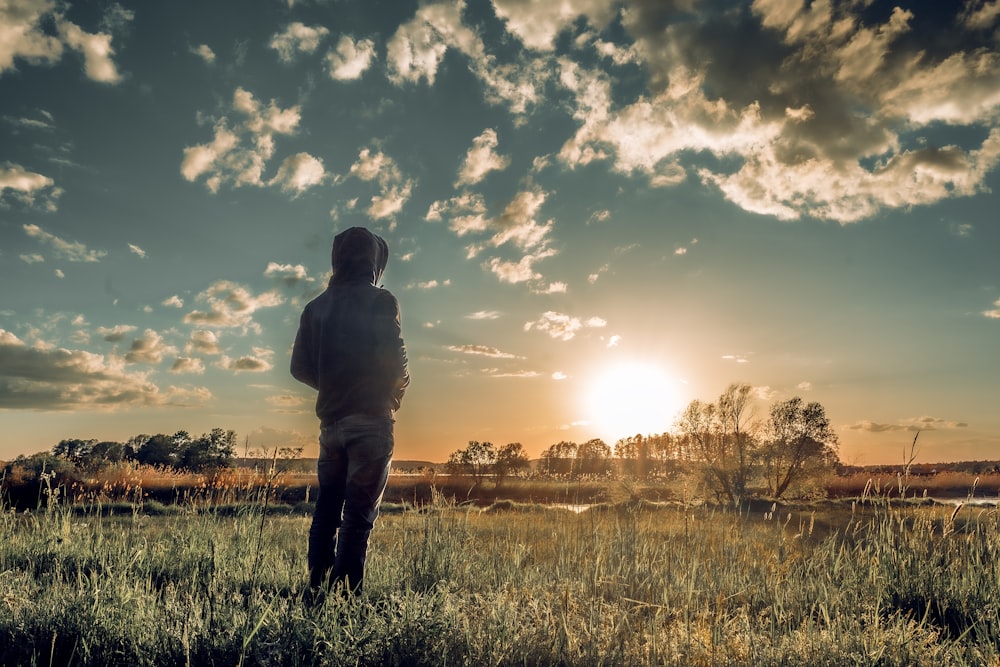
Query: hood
[{"x": 359, "y": 256}]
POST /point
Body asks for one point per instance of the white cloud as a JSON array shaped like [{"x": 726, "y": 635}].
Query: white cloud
[
  {"x": 562, "y": 326},
  {"x": 258, "y": 362},
  {"x": 26, "y": 34},
  {"x": 188, "y": 365},
  {"x": 69, "y": 250},
  {"x": 298, "y": 173},
  {"x": 382, "y": 169},
  {"x": 44, "y": 377},
  {"x": 205, "y": 52},
  {"x": 33, "y": 258},
  {"x": 537, "y": 24},
  {"x": 297, "y": 38},
  {"x": 559, "y": 375},
  {"x": 231, "y": 305},
  {"x": 27, "y": 187},
  {"x": 738, "y": 358},
  {"x": 995, "y": 312},
  {"x": 149, "y": 348},
  {"x": 481, "y": 159},
  {"x": 614, "y": 340},
  {"x": 243, "y": 144},
  {"x": 350, "y": 59},
  {"x": 484, "y": 315},
  {"x": 805, "y": 385},
  {"x": 136, "y": 250},
  {"x": 173, "y": 302},
  {"x": 96, "y": 49},
  {"x": 466, "y": 213},
  {"x": 203, "y": 341},
  {"x": 287, "y": 274},
  {"x": 482, "y": 351},
  {"x": 115, "y": 334}
]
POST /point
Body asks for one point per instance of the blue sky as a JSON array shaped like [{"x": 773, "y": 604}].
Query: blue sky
[{"x": 598, "y": 211}]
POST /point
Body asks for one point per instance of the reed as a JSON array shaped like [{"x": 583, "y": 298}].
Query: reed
[{"x": 626, "y": 583}]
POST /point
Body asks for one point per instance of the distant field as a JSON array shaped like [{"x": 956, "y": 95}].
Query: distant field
[{"x": 619, "y": 584}]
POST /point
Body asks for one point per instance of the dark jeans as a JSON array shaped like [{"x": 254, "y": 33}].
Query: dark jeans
[{"x": 354, "y": 457}]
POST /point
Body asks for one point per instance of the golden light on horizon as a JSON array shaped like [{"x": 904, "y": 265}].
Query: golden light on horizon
[{"x": 631, "y": 397}]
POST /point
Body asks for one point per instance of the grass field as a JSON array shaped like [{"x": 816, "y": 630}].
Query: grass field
[{"x": 632, "y": 583}]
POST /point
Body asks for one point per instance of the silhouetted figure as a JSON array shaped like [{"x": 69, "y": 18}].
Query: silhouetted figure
[{"x": 349, "y": 347}]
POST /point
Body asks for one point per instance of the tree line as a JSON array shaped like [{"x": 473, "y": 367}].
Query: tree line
[
  {"x": 180, "y": 451},
  {"x": 730, "y": 451}
]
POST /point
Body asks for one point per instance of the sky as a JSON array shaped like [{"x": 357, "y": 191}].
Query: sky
[{"x": 597, "y": 212}]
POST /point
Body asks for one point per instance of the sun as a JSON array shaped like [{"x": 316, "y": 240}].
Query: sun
[{"x": 632, "y": 397}]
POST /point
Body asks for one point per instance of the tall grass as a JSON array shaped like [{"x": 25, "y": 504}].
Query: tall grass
[{"x": 624, "y": 584}]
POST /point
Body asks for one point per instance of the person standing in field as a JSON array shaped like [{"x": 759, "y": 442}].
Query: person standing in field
[{"x": 349, "y": 347}]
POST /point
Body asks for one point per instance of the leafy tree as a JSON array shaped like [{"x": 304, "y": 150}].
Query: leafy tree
[
  {"x": 558, "y": 459},
  {"x": 721, "y": 440},
  {"x": 476, "y": 460},
  {"x": 800, "y": 444},
  {"x": 73, "y": 449},
  {"x": 212, "y": 450},
  {"x": 157, "y": 450},
  {"x": 593, "y": 458},
  {"x": 103, "y": 453},
  {"x": 510, "y": 459}
]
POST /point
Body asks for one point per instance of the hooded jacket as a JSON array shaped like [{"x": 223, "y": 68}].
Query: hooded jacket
[{"x": 349, "y": 345}]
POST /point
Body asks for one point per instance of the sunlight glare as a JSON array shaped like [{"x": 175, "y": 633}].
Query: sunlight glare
[{"x": 632, "y": 398}]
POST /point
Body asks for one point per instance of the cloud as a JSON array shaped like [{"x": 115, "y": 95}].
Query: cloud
[
  {"x": 805, "y": 385},
  {"x": 286, "y": 401},
  {"x": 484, "y": 315},
  {"x": 96, "y": 50},
  {"x": 51, "y": 378},
  {"x": 382, "y": 169},
  {"x": 148, "y": 349},
  {"x": 298, "y": 173},
  {"x": 418, "y": 47},
  {"x": 297, "y": 38},
  {"x": 993, "y": 313},
  {"x": 839, "y": 131},
  {"x": 231, "y": 305},
  {"x": 258, "y": 362},
  {"x": 289, "y": 275},
  {"x": 497, "y": 373},
  {"x": 738, "y": 358},
  {"x": 33, "y": 258},
  {"x": 350, "y": 59},
  {"x": 188, "y": 365},
  {"x": 26, "y": 27},
  {"x": 428, "y": 284},
  {"x": 481, "y": 159},
  {"x": 562, "y": 326},
  {"x": 27, "y": 187},
  {"x": 537, "y": 24},
  {"x": 136, "y": 250},
  {"x": 559, "y": 375},
  {"x": 911, "y": 425},
  {"x": 69, "y": 250},
  {"x": 243, "y": 144},
  {"x": 466, "y": 213},
  {"x": 482, "y": 351},
  {"x": 173, "y": 302},
  {"x": 115, "y": 334},
  {"x": 204, "y": 52},
  {"x": 203, "y": 341}
]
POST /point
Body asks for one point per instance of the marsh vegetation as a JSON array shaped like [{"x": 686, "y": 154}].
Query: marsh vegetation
[{"x": 868, "y": 582}]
